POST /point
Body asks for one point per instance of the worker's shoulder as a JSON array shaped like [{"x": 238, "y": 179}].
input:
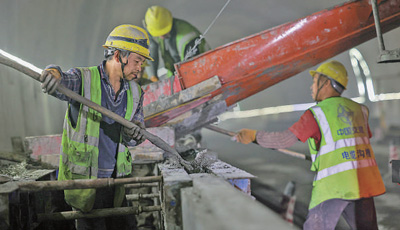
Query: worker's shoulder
[{"x": 183, "y": 23}]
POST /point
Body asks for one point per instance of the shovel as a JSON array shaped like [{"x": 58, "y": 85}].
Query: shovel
[
  {"x": 152, "y": 138},
  {"x": 285, "y": 151}
]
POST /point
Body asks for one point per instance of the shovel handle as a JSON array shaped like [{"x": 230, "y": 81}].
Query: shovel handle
[
  {"x": 285, "y": 151},
  {"x": 71, "y": 94}
]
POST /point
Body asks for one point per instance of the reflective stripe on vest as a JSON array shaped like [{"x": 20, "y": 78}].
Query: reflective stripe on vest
[
  {"x": 343, "y": 167},
  {"x": 124, "y": 159},
  {"x": 331, "y": 145},
  {"x": 182, "y": 41},
  {"x": 81, "y": 137},
  {"x": 345, "y": 162},
  {"x": 79, "y": 134}
]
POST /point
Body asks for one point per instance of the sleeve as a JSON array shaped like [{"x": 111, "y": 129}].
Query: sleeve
[
  {"x": 72, "y": 80},
  {"x": 151, "y": 70},
  {"x": 276, "y": 140},
  {"x": 306, "y": 127}
]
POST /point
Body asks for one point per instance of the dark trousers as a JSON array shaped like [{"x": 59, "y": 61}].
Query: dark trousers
[
  {"x": 105, "y": 199},
  {"x": 359, "y": 214}
]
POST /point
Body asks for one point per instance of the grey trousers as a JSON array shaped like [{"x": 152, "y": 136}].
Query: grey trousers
[{"x": 359, "y": 214}]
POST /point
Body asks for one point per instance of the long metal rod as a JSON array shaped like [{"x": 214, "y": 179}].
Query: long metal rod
[
  {"x": 285, "y": 151},
  {"x": 95, "y": 213},
  {"x": 134, "y": 197},
  {"x": 379, "y": 35},
  {"x": 69, "y": 93},
  {"x": 36, "y": 186},
  {"x": 141, "y": 185}
]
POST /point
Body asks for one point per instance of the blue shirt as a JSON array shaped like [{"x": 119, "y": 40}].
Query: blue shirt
[{"x": 109, "y": 129}]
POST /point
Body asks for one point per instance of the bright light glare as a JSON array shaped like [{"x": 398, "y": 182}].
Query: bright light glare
[
  {"x": 356, "y": 58},
  {"x": 20, "y": 61}
]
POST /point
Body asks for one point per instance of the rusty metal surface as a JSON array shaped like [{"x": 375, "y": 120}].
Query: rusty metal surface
[
  {"x": 40, "y": 146},
  {"x": 254, "y": 63},
  {"x": 159, "y": 89}
]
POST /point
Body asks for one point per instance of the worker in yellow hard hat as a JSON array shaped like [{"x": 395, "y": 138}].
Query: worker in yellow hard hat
[
  {"x": 172, "y": 37},
  {"x": 95, "y": 146},
  {"x": 337, "y": 130}
]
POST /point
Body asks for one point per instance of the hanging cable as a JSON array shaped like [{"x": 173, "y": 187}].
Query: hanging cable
[{"x": 192, "y": 51}]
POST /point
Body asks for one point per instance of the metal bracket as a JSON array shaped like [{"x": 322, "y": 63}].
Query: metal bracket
[
  {"x": 396, "y": 171},
  {"x": 385, "y": 56}
]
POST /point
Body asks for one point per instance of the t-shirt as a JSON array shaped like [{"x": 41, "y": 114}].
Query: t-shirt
[{"x": 306, "y": 127}]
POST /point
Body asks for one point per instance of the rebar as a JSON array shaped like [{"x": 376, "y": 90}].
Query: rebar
[
  {"x": 134, "y": 197},
  {"x": 141, "y": 185},
  {"x": 95, "y": 213},
  {"x": 36, "y": 186}
]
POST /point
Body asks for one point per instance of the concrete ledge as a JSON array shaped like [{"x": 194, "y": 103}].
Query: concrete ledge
[
  {"x": 212, "y": 203},
  {"x": 174, "y": 179}
]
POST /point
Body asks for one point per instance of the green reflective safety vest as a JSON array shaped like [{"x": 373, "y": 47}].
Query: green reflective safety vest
[
  {"x": 185, "y": 33},
  {"x": 79, "y": 145},
  {"x": 345, "y": 163}
]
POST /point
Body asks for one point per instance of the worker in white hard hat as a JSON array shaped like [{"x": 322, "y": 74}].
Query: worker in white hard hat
[
  {"x": 336, "y": 128},
  {"x": 95, "y": 146},
  {"x": 172, "y": 37}
]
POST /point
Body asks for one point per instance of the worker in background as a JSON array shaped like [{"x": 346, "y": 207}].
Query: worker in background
[
  {"x": 95, "y": 146},
  {"x": 172, "y": 37},
  {"x": 347, "y": 176}
]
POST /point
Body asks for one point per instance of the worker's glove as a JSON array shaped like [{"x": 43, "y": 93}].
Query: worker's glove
[
  {"x": 135, "y": 133},
  {"x": 50, "y": 79},
  {"x": 246, "y": 136},
  {"x": 154, "y": 78}
]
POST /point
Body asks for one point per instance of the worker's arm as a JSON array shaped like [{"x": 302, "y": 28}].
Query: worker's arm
[
  {"x": 52, "y": 75},
  {"x": 276, "y": 140},
  {"x": 306, "y": 127},
  {"x": 303, "y": 129},
  {"x": 151, "y": 70}
]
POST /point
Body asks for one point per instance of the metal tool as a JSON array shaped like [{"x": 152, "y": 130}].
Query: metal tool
[
  {"x": 67, "y": 92},
  {"x": 285, "y": 151}
]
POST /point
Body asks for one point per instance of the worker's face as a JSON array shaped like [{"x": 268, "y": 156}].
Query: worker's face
[
  {"x": 165, "y": 36},
  {"x": 314, "y": 86},
  {"x": 133, "y": 69}
]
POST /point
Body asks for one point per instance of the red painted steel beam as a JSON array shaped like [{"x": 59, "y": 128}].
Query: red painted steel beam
[{"x": 252, "y": 64}]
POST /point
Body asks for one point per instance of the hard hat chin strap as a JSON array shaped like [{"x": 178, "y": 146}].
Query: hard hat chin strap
[
  {"x": 319, "y": 87},
  {"x": 122, "y": 65}
]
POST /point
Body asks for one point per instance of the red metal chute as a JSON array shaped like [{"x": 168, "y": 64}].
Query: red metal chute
[{"x": 252, "y": 64}]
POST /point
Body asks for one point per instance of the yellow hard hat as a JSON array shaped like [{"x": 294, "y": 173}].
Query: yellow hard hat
[
  {"x": 131, "y": 38},
  {"x": 158, "y": 21},
  {"x": 334, "y": 70}
]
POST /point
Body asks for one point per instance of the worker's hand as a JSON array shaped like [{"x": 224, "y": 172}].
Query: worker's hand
[
  {"x": 135, "y": 133},
  {"x": 154, "y": 78},
  {"x": 50, "y": 79},
  {"x": 246, "y": 136}
]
